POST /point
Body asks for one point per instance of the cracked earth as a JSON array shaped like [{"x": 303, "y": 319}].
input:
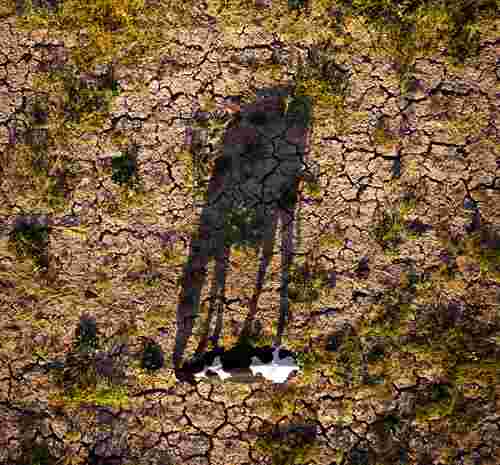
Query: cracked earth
[{"x": 386, "y": 381}]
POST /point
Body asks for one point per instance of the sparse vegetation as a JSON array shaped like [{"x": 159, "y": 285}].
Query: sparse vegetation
[
  {"x": 86, "y": 338},
  {"x": 242, "y": 227},
  {"x": 388, "y": 233},
  {"x": 40, "y": 455},
  {"x": 438, "y": 326},
  {"x": 442, "y": 403},
  {"x": 79, "y": 373},
  {"x": 479, "y": 249},
  {"x": 391, "y": 423},
  {"x": 30, "y": 238},
  {"x": 288, "y": 448},
  {"x": 419, "y": 27},
  {"x": 124, "y": 166},
  {"x": 83, "y": 97},
  {"x": 152, "y": 358},
  {"x": 391, "y": 230},
  {"x": 306, "y": 282}
]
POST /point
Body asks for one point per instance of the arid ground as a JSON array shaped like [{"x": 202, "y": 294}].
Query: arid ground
[{"x": 113, "y": 114}]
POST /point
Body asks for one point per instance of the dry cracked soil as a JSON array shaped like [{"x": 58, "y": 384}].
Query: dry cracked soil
[{"x": 176, "y": 177}]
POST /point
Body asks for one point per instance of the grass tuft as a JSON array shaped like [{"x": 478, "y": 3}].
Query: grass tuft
[
  {"x": 30, "y": 239},
  {"x": 152, "y": 358}
]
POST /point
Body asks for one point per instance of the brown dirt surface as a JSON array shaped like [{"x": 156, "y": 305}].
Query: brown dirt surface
[{"x": 132, "y": 132}]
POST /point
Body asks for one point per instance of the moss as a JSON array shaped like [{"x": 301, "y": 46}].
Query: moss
[
  {"x": 282, "y": 406},
  {"x": 442, "y": 405},
  {"x": 388, "y": 231},
  {"x": 124, "y": 169},
  {"x": 349, "y": 362},
  {"x": 109, "y": 23},
  {"x": 331, "y": 240},
  {"x": 288, "y": 447},
  {"x": 312, "y": 189},
  {"x": 242, "y": 228},
  {"x": 40, "y": 455},
  {"x": 306, "y": 282},
  {"x": 31, "y": 240},
  {"x": 383, "y": 136},
  {"x": 287, "y": 19},
  {"x": 309, "y": 364},
  {"x": 152, "y": 357},
  {"x": 299, "y": 108},
  {"x": 115, "y": 396},
  {"x": 483, "y": 372},
  {"x": 418, "y": 28},
  {"x": 152, "y": 280}
]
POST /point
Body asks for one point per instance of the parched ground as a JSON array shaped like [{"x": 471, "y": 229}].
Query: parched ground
[{"x": 399, "y": 226}]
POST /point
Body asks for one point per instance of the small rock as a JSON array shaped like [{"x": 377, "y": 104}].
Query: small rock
[
  {"x": 374, "y": 118},
  {"x": 456, "y": 153}
]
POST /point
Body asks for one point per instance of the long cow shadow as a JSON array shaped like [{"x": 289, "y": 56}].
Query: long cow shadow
[{"x": 253, "y": 187}]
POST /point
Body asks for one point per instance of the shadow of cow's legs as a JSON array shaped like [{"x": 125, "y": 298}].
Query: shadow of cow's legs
[
  {"x": 287, "y": 251},
  {"x": 220, "y": 272},
  {"x": 193, "y": 281},
  {"x": 269, "y": 238},
  {"x": 217, "y": 295}
]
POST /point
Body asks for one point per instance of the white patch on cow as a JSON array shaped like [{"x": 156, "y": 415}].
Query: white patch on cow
[{"x": 277, "y": 370}]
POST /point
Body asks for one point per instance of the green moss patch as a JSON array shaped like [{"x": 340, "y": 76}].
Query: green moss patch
[
  {"x": 442, "y": 402},
  {"x": 291, "y": 446},
  {"x": 417, "y": 27},
  {"x": 152, "y": 358},
  {"x": 39, "y": 455},
  {"x": 116, "y": 396},
  {"x": 86, "y": 337},
  {"x": 30, "y": 237},
  {"x": 84, "y": 97},
  {"x": 242, "y": 227},
  {"x": 306, "y": 282},
  {"x": 124, "y": 168}
]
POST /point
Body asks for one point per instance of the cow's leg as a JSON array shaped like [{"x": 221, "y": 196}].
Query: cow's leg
[
  {"x": 287, "y": 217},
  {"x": 268, "y": 241}
]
